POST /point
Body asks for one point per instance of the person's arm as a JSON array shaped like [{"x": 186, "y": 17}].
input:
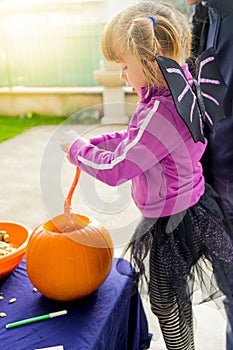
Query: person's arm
[
  {"x": 108, "y": 141},
  {"x": 154, "y": 137}
]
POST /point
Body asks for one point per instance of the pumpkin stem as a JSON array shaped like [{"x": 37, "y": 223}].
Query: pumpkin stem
[{"x": 67, "y": 203}]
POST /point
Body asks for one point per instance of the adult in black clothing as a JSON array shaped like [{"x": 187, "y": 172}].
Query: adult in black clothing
[{"x": 212, "y": 27}]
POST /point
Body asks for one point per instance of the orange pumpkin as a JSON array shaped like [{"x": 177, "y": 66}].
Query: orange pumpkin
[
  {"x": 65, "y": 262},
  {"x": 69, "y": 259}
]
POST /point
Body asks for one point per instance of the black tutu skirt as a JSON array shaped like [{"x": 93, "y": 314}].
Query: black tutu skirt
[{"x": 195, "y": 248}]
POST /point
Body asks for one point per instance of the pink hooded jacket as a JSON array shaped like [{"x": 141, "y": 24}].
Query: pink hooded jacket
[{"x": 156, "y": 152}]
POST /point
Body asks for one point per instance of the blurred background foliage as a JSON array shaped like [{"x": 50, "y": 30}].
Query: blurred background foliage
[
  {"x": 180, "y": 4},
  {"x": 54, "y": 46}
]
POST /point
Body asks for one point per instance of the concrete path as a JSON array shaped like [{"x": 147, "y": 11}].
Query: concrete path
[{"x": 35, "y": 178}]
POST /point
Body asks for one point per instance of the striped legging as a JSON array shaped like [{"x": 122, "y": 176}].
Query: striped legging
[{"x": 176, "y": 319}]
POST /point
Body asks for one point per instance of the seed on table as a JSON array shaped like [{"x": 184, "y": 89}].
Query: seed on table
[
  {"x": 12, "y": 300},
  {"x": 1, "y": 297},
  {"x": 2, "y": 314}
]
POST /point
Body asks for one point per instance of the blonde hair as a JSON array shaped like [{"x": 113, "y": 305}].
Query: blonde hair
[{"x": 131, "y": 31}]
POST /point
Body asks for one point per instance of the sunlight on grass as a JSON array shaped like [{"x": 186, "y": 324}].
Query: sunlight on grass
[{"x": 12, "y": 126}]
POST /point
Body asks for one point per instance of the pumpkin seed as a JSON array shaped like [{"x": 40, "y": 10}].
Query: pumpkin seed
[
  {"x": 1, "y": 297},
  {"x": 2, "y": 232},
  {"x": 12, "y": 300},
  {"x": 4, "y": 236},
  {"x": 2, "y": 314},
  {"x": 5, "y": 246}
]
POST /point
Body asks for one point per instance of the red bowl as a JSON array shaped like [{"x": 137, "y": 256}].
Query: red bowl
[{"x": 18, "y": 237}]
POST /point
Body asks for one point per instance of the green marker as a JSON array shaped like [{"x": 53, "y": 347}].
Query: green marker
[{"x": 35, "y": 319}]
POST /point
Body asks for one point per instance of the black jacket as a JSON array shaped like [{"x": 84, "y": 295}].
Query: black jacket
[{"x": 216, "y": 29}]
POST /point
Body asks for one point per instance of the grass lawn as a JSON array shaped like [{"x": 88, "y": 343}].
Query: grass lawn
[{"x": 12, "y": 126}]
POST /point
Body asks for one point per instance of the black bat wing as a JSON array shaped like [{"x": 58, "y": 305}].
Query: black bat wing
[
  {"x": 212, "y": 88},
  {"x": 184, "y": 98}
]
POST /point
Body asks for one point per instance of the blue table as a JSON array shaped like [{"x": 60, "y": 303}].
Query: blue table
[{"x": 112, "y": 318}]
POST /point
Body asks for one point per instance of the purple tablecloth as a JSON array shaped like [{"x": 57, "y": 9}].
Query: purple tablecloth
[{"x": 112, "y": 318}]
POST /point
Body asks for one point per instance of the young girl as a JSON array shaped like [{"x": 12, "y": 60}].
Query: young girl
[{"x": 181, "y": 224}]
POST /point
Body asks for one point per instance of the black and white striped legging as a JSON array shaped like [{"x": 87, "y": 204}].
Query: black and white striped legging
[{"x": 176, "y": 320}]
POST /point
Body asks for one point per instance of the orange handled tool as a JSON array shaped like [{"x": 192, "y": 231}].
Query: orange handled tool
[{"x": 68, "y": 200}]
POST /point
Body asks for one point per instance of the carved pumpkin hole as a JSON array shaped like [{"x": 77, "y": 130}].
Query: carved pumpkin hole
[{"x": 61, "y": 224}]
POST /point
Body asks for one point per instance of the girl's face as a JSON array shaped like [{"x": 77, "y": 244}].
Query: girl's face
[{"x": 132, "y": 75}]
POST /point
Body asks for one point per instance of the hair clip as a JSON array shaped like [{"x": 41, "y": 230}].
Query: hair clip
[{"x": 153, "y": 19}]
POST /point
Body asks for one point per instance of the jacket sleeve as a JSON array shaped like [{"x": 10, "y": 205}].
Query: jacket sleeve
[
  {"x": 154, "y": 137},
  {"x": 109, "y": 141}
]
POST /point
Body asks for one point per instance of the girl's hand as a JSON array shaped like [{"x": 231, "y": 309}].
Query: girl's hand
[{"x": 68, "y": 139}]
